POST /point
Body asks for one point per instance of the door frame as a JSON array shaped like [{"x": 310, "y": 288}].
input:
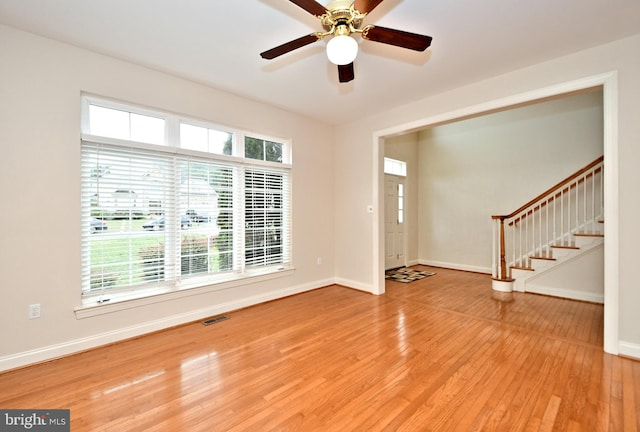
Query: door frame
[{"x": 609, "y": 83}]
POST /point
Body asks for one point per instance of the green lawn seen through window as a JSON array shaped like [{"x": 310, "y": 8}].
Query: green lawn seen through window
[{"x": 119, "y": 254}]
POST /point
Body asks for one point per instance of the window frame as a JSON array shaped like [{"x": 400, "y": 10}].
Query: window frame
[{"x": 91, "y": 300}]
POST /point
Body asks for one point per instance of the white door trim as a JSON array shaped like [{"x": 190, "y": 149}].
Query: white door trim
[{"x": 609, "y": 83}]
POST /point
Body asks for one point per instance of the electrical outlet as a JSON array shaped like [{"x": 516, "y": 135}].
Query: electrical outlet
[
  {"x": 319, "y": 261},
  {"x": 34, "y": 311}
]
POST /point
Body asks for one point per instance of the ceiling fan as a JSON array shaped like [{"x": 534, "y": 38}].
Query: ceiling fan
[{"x": 340, "y": 19}]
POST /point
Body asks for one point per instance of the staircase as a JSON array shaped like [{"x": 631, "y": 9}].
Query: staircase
[
  {"x": 555, "y": 273},
  {"x": 537, "y": 247}
]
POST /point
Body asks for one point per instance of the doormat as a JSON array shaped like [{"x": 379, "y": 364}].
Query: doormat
[{"x": 406, "y": 275}]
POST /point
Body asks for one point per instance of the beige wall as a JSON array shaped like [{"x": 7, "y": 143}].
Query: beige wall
[
  {"x": 357, "y": 240},
  {"x": 40, "y": 86},
  {"x": 493, "y": 164}
]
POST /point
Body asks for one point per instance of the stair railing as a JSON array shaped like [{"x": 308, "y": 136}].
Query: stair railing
[{"x": 549, "y": 220}]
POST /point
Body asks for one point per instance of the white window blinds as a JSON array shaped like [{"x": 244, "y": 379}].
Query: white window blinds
[
  {"x": 266, "y": 215},
  {"x": 133, "y": 192},
  {"x": 157, "y": 218},
  {"x": 171, "y": 216}
]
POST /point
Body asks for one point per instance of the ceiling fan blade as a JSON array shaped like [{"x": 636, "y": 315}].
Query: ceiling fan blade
[
  {"x": 289, "y": 46},
  {"x": 366, "y": 6},
  {"x": 311, "y": 6},
  {"x": 398, "y": 38},
  {"x": 345, "y": 73}
]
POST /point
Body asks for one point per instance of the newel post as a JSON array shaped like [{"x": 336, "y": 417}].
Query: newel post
[
  {"x": 503, "y": 257},
  {"x": 502, "y": 282}
]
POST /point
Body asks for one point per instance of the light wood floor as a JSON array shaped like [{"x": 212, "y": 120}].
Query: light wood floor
[{"x": 445, "y": 353}]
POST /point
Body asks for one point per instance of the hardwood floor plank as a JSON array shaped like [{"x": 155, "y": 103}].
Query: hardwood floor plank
[
  {"x": 445, "y": 400},
  {"x": 629, "y": 405},
  {"x": 501, "y": 407},
  {"x": 616, "y": 413},
  {"x": 445, "y": 353},
  {"x": 523, "y": 403},
  {"x": 604, "y": 403},
  {"x": 592, "y": 418},
  {"x": 579, "y": 402},
  {"x": 572, "y": 399},
  {"x": 559, "y": 352},
  {"x": 550, "y": 414},
  {"x": 512, "y": 353},
  {"x": 635, "y": 366}
]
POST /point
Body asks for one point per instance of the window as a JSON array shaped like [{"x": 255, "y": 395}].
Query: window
[
  {"x": 395, "y": 167},
  {"x": 400, "y": 203},
  {"x": 256, "y": 148},
  {"x": 205, "y": 139},
  {"x": 115, "y": 123},
  {"x": 161, "y": 215}
]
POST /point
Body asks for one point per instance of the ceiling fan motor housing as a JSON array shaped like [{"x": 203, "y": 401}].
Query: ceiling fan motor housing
[
  {"x": 339, "y": 5},
  {"x": 341, "y": 14}
]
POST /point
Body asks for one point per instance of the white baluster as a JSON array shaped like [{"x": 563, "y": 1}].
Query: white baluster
[
  {"x": 593, "y": 200},
  {"x": 602, "y": 192},
  {"x": 562, "y": 215},
  {"x": 520, "y": 241},
  {"x": 584, "y": 201},
  {"x": 540, "y": 228},
  {"x": 577, "y": 206},
  {"x": 555, "y": 236}
]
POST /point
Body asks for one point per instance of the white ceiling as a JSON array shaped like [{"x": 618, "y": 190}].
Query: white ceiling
[{"x": 218, "y": 43}]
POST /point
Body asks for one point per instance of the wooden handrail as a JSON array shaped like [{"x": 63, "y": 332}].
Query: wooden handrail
[
  {"x": 559, "y": 189},
  {"x": 551, "y": 189}
]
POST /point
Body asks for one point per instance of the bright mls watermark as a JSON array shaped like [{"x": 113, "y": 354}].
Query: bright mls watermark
[{"x": 56, "y": 420}]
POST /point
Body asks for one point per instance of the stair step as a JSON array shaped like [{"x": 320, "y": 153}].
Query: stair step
[
  {"x": 588, "y": 234},
  {"x": 544, "y": 256},
  {"x": 562, "y": 250},
  {"x": 522, "y": 268},
  {"x": 566, "y": 245}
]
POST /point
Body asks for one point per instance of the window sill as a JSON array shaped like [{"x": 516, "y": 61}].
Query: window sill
[{"x": 122, "y": 302}]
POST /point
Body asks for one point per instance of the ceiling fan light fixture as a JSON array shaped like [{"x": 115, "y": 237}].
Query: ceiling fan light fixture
[
  {"x": 342, "y": 50},
  {"x": 340, "y": 20}
]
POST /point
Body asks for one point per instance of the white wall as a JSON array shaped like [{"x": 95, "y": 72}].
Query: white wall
[
  {"x": 40, "y": 86},
  {"x": 356, "y": 167},
  {"x": 493, "y": 164},
  {"x": 580, "y": 277}
]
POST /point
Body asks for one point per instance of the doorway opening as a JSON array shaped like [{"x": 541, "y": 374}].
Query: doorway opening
[{"x": 608, "y": 83}]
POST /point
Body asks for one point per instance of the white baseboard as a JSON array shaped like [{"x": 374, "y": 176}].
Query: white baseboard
[
  {"x": 354, "y": 284},
  {"x": 629, "y": 349},
  {"x": 574, "y": 295},
  {"x": 74, "y": 346},
  {"x": 455, "y": 266}
]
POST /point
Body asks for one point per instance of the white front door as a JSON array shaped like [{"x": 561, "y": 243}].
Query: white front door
[{"x": 394, "y": 221}]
